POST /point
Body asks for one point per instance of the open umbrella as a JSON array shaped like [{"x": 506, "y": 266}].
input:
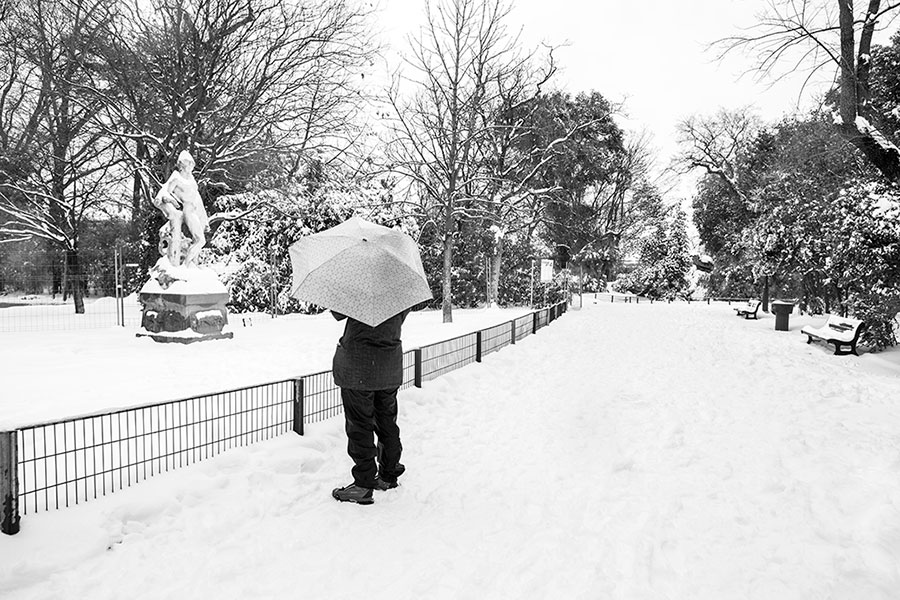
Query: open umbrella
[{"x": 360, "y": 269}]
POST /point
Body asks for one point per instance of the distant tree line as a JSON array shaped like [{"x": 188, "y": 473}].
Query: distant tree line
[{"x": 470, "y": 149}]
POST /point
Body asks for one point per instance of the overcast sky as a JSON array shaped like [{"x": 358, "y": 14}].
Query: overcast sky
[{"x": 650, "y": 53}]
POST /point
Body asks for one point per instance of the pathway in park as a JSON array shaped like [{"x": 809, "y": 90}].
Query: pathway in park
[{"x": 626, "y": 451}]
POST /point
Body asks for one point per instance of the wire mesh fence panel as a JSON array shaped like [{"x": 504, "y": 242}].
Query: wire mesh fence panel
[
  {"x": 409, "y": 369},
  {"x": 524, "y": 326},
  {"x": 448, "y": 355},
  {"x": 495, "y": 338},
  {"x": 79, "y": 459},
  {"x": 321, "y": 397},
  {"x": 543, "y": 317},
  {"x": 38, "y": 294},
  {"x": 29, "y": 313}
]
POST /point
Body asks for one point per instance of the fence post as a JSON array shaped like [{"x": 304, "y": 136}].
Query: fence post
[
  {"x": 9, "y": 483},
  {"x": 417, "y": 367},
  {"x": 118, "y": 285},
  {"x": 298, "y": 406},
  {"x": 478, "y": 346},
  {"x": 512, "y": 331},
  {"x": 534, "y": 322}
]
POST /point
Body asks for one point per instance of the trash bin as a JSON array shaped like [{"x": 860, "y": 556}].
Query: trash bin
[{"x": 782, "y": 311}]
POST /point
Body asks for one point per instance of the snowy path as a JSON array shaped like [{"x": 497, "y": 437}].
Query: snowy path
[{"x": 627, "y": 451}]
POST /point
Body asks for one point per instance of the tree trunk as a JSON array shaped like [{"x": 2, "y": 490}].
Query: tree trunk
[
  {"x": 765, "y": 294},
  {"x": 76, "y": 278},
  {"x": 854, "y": 98},
  {"x": 65, "y": 281},
  {"x": 848, "y": 62},
  {"x": 883, "y": 155},
  {"x": 136, "y": 194},
  {"x": 56, "y": 277},
  {"x": 495, "y": 263},
  {"x": 446, "y": 288}
]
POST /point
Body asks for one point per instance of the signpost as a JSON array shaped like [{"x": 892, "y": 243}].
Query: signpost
[{"x": 546, "y": 270}]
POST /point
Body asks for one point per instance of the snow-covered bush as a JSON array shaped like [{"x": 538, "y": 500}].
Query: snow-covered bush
[
  {"x": 663, "y": 265},
  {"x": 249, "y": 286},
  {"x": 864, "y": 259},
  {"x": 254, "y": 249}
]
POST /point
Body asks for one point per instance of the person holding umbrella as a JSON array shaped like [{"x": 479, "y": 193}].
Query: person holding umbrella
[
  {"x": 368, "y": 367},
  {"x": 371, "y": 276}
]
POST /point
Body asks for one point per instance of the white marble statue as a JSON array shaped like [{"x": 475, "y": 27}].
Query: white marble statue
[{"x": 180, "y": 202}]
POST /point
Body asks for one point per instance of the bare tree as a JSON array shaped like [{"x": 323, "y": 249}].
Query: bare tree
[
  {"x": 466, "y": 140},
  {"x": 717, "y": 145},
  {"x": 511, "y": 195},
  {"x": 828, "y": 34},
  {"x": 59, "y": 165},
  {"x": 15, "y": 134},
  {"x": 249, "y": 88},
  {"x": 439, "y": 132}
]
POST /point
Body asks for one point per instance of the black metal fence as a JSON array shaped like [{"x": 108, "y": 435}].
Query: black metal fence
[
  {"x": 71, "y": 461},
  {"x": 55, "y": 465}
]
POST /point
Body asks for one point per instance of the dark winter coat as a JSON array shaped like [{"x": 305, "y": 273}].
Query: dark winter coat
[{"x": 369, "y": 358}]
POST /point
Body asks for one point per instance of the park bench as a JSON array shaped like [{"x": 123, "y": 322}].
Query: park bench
[
  {"x": 840, "y": 331},
  {"x": 748, "y": 311}
]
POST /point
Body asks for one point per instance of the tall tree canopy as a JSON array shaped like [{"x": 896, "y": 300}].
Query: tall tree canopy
[{"x": 835, "y": 36}]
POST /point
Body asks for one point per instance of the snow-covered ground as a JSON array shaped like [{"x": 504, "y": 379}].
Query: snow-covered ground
[
  {"x": 58, "y": 374},
  {"x": 628, "y": 451}
]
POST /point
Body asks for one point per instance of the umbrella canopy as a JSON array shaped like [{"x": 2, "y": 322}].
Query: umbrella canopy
[{"x": 360, "y": 269}]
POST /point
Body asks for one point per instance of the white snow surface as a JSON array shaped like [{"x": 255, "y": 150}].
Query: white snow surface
[{"x": 627, "y": 451}]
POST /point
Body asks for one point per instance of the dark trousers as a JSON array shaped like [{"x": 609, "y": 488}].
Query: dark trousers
[{"x": 369, "y": 414}]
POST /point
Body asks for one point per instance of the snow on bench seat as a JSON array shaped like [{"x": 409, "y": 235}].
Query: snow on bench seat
[
  {"x": 840, "y": 331},
  {"x": 748, "y": 311}
]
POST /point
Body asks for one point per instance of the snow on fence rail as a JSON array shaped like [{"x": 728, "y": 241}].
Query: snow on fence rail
[{"x": 52, "y": 465}]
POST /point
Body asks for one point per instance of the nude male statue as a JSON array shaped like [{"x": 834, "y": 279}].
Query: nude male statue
[{"x": 180, "y": 202}]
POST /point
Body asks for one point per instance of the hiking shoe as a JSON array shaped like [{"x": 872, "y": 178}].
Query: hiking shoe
[
  {"x": 384, "y": 482},
  {"x": 397, "y": 472},
  {"x": 382, "y": 485},
  {"x": 353, "y": 493}
]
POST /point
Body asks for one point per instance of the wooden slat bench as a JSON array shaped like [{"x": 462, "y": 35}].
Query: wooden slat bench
[
  {"x": 748, "y": 311},
  {"x": 840, "y": 331}
]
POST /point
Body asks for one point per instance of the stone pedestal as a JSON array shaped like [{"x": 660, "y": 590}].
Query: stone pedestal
[{"x": 183, "y": 305}]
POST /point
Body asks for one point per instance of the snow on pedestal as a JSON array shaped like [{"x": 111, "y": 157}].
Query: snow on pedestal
[{"x": 183, "y": 304}]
